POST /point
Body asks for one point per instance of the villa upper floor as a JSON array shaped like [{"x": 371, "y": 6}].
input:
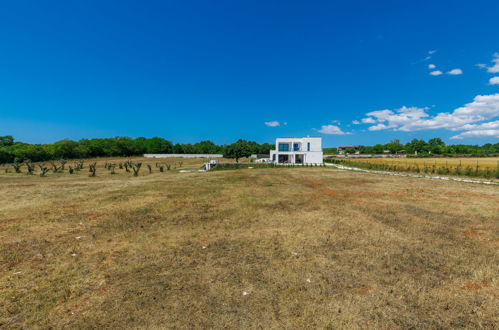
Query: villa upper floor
[{"x": 299, "y": 144}]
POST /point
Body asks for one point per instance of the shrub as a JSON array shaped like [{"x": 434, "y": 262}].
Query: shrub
[
  {"x": 43, "y": 170},
  {"x": 30, "y": 166},
  {"x": 136, "y": 169},
  {"x": 63, "y": 163},
  {"x": 55, "y": 168},
  {"x": 78, "y": 165},
  {"x": 17, "y": 165},
  {"x": 92, "y": 169}
]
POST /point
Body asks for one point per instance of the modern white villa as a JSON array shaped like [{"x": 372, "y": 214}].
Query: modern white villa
[{"x": 297, "y": 150}]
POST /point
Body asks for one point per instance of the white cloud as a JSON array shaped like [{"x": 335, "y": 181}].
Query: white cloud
[
  {"x": 494, "y": 68},
  {"x": 431, "y": 52},
  {"x": 272, "y": 123},
  {"x": 331, "y": 129},
  {"x": 487, "y": 125},
  {"x": 408, "y": 119},
  {"x": 436, "y": 73},
  {"x": 379, "y": 127},
  {"x": 397, "y": 120},
  {"x": 431, "y": 66},
  {"x": 356, "y": 122},
  {"x": 455, "y": 72},
  {"x": 494, "y": 81},
  {"x": 368, "y": 120},
  {"x": 477, "y": 133}
]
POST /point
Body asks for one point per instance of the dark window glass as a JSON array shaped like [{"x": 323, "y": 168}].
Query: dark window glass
[{"x": 283, "y": 147}]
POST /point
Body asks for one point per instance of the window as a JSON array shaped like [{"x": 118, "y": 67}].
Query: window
[
  {"x": 308, "y": 146},
  {"x": 296, "y": 147},
  {"x": 283, "y": 147}
]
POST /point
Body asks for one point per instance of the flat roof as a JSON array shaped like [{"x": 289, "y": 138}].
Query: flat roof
[{"x": 300, "y": 137}]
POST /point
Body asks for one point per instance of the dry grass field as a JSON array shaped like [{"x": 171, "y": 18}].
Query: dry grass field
[
  {"x": 254, "y": 248},
  {"x": 482, "y": 162},
  {"x": 487, "y": 168}
]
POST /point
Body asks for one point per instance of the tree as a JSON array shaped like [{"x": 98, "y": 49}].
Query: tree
[
  {"x": 5, "y": 156},
  {"x": 178, "y": 149},
  {"x": 378, "y": 149},
  {"x": 436, "y": 142},
  {"x": 6, "y": 141},
  {"x": 436, "y": 145},
  {"x": 157, "y": 145},
  {"x": 236, "y": 150},
  {"x": 394, "y": 146},
  {"x": 206, "y": 147},
  {"x": 416, "y": 146}
]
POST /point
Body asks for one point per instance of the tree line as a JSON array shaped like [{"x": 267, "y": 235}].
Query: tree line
[
  {"x": 10, "y": 150},
  {"x": 423, "y": 148}
]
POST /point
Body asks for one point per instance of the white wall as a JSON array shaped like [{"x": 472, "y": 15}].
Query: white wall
[
  {"x": 183, "y": 156},
  {"x": 314, "y": 158}
]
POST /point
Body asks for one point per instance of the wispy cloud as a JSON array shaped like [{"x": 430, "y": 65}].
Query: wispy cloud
[
  {"x": 356, "y": 122},
  {"x": 493, "y": 68},
  {"x": 431, "y": 66},
  {"x": 430, "y": 53},
  {"x": 272, "y": 123}
]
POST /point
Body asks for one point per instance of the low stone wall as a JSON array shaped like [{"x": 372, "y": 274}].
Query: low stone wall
[{"x": 183, "y": 155}]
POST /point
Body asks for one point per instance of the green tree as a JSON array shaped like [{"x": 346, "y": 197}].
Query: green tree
[
  {"x": 157, "y": 145},
  {"x": 6, "y": 141},
  {"x": 436, "y": 142},
  {"x": 416, "y": 146},
  {"x": 237, "y": 150},
  {"x": 394, "y": 146}
]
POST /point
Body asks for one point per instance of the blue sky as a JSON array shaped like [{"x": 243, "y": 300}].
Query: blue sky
[{"x": 353, "y": 72}]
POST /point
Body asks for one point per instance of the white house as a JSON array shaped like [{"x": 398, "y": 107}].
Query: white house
[{"x": 294, "y": 150}]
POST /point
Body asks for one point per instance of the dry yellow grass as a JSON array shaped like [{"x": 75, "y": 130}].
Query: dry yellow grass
[
  {"x": 310, "y": 247},
  {"x": 482, "y": 162}
]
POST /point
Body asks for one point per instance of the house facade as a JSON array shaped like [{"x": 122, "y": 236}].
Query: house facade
[{"x": 296, "y": 150}]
